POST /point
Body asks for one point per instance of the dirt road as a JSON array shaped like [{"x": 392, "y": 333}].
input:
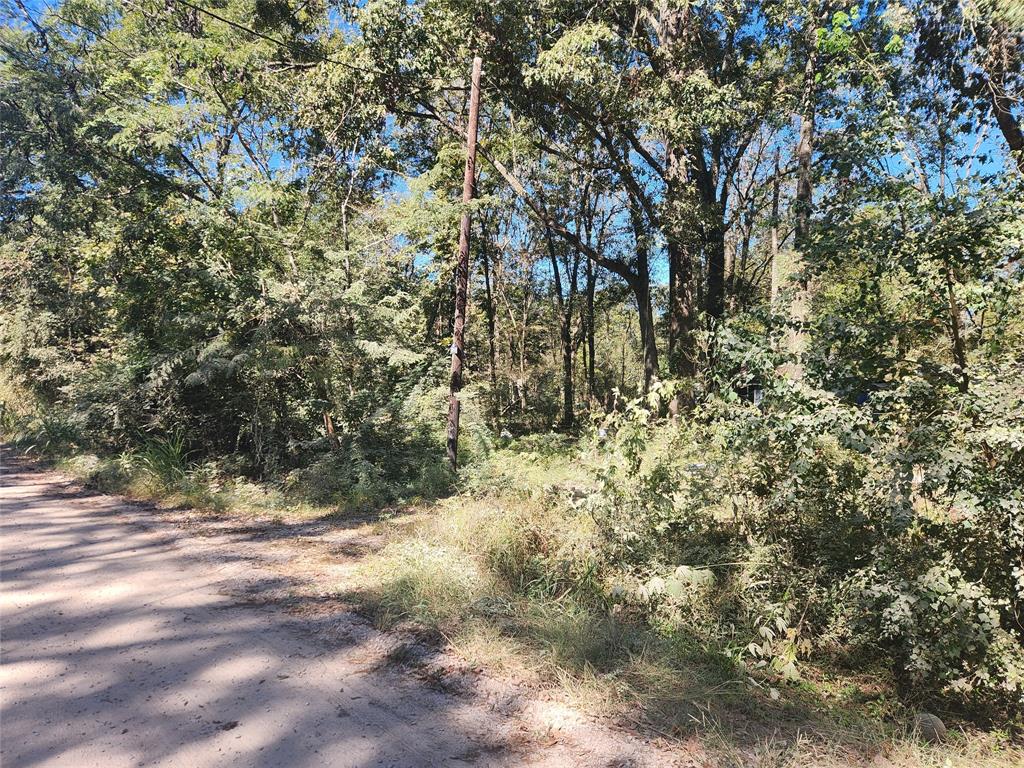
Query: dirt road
[{"x": 126, "y": 641}]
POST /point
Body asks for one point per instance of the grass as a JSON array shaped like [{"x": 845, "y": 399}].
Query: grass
[
  {"x": 420, "y": 580},
  {"x": 500, "y": 575}
]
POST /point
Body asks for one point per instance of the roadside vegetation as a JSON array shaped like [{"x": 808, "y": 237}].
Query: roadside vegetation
[
  {"x": 741, "y": 451},
  {"x": 539, "y": 569}
]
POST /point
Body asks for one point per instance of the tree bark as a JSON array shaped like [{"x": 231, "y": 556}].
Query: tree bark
[
  {"x": 682, "y": 309},
  {"x": 564, "y": 333},
  {"x": 805, "y": 146},
  {"x": 492, "y": 348},
  {"x": 682, "y": 300},
  {"x": 714, "y": 244},
  {"x": 588, "y": 213},
  {"x": 591, "y": 330},
  {"x": 640, "y": 283},
  {"x": 803, "y": 204},
  {"x": 642, "y": 291},
  {"x": 774, "y": 234},
  {"x": 462, "y": 271},
  {"x": 956, "y": 332}
]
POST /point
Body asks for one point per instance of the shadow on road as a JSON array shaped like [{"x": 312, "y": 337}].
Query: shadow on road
[{"x": 124, "y": 644}]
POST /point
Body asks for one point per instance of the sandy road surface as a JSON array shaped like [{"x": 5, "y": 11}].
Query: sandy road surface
[{"x": 126, "y": 642}]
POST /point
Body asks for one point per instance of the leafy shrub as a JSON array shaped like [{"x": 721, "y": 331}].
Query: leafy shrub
[
  {"x": 943, "y": 630},
  {"x": 803, "y": 506}
]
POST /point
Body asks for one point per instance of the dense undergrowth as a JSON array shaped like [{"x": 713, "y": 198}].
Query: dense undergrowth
[
  {"x": 802, "y": 534},
  {"x": 805, "y": 564}
]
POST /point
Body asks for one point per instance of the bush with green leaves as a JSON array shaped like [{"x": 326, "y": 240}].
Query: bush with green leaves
[
  {"x": 944, "y": 631},
  {"x": 889, "y": 530}
]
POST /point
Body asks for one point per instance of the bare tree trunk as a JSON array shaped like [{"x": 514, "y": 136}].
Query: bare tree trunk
[
  {"x": 804, "y": 151},
  {"x": 564, "y": 333},
  {"x": 568, "y": 364},
  {"x": 588, "y": 212},
  {"x": 714, "y": 244},
  {"x": 956, "y": 332},
  {"x": 521, "y": 382},
  {"x": 492, "y": 348},
  {"x": 742, "y": 282},
  {"x": 523, "y": 324},
  {"x": 590, "y": 329},
  {"x": 731, "y": 258},
  {"x": 682, "y": 309},
  {"x": 640, "y": 283},
  {"x": 682, "y": 314},
  {"x": 329, "y": 427},
  {"x": 642, "y": 291},
  {"x": 462, "y": 271},
  {"x": 800, "y": 305}
]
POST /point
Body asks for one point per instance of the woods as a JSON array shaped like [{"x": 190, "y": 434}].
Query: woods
[{"x": 739, "y": 280}]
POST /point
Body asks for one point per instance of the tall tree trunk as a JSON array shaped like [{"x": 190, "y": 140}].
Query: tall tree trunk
[
  {"x": 462, "y": 272},
  {"x": 731, "y": 260},
  {"x": 682, "y": 302},
  {"x": 332, "y": 437},
  {"x": 568, "y": 363},
  {"x": 640, "y": 282},
  {"x": 803, "y": 204},
  {"x": 805, "y": 148},
  {"x": 588, "y": 212},
  {"x": 774, "y": 234},
  {"x": 564, "y": 333},
  {"x": 682, "y": 346},
  {"x": 682, "y": 309},
  {"x": 741, "y": 281},
  {"x": 492, "y": 348},
  {"x": 956, "y": 332},
  {"x": 642, "y": 292},
  {"x": 590, "y": 329},
  {"x": 523, "y": 326},
  {"x": 714, "y": 244}
]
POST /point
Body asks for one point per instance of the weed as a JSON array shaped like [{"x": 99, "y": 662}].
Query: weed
[{"x": 165, "y": 459}]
